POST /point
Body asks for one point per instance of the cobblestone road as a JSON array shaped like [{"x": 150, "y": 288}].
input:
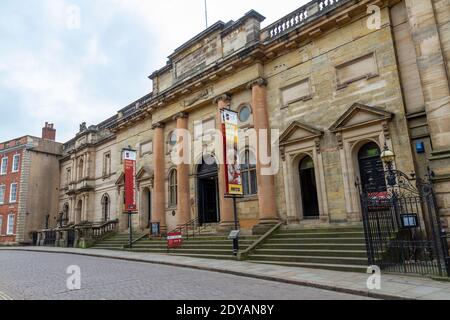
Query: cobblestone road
[{"x": 42, "y": 276}]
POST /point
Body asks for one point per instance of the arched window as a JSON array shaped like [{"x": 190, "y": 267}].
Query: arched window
[
  {"x": 106, "y": 208},
  {"x": 173, "y": 200},
  {"x": 248, "y": 170},
  {"x": 65, "y": 214}
]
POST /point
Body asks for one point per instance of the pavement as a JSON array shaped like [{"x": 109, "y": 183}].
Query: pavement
[
  {"x": 393, "y": 287},
  {"x": 49, "y": 276}
]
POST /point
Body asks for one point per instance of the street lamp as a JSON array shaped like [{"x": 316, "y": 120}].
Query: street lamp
[{"x": 388, "y": 158}]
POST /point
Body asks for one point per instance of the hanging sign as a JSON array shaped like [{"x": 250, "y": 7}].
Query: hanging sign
[
  {"x": 129, "y": 163},
  {"x": 230, "y": 131}
]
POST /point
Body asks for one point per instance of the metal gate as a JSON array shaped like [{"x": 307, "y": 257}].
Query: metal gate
[{"x": 402, "y": 225}]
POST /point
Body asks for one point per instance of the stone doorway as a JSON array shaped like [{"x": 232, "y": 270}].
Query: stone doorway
[
  {"x": 308, "y": 186},
  {"x": 208, "y": 191}
]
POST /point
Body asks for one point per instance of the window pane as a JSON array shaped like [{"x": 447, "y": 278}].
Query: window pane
[
  {"x": 1, "y": 225},
  {"x": 16, "y": 163},
  {"x": 254, "y": 182},
  {"x": 10, "y": 224},
  {"x": 245, "y": 183},
  {"x": 2, "y": 194},
  {"x": 4, "y": 166}
]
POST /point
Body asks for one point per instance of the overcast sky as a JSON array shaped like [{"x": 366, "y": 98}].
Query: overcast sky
[{"x": 54, "y": 69}]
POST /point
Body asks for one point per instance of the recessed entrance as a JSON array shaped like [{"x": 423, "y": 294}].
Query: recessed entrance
[
  {"x": 146, "y": 208},
  {"x": 308, "y": 187},
  {"x": 208, "y": 186},
  {"x": 371, "y": 168}
]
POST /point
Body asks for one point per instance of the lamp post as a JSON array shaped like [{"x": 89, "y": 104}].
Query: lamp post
[{"x": 388, "y": 158}]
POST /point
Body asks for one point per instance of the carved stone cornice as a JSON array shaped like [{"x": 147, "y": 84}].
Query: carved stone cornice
[
  {"x": 181, "y": 115},
  {"x": 223, "y": 97},
  {"x": 158, "y": 125},
  {"x": 261, "y": 82}
]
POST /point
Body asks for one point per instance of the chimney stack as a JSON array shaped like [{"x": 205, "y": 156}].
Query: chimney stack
[{"x": 49, "y": 132}]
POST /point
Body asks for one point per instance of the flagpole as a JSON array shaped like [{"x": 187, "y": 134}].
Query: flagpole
[{"x": 206, "y": 14}]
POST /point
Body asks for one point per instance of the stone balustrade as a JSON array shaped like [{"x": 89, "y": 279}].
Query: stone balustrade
[{"x": 299, "y": 17}]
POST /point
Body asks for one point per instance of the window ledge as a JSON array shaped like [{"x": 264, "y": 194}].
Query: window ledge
[{"x": 248, "y": 198}]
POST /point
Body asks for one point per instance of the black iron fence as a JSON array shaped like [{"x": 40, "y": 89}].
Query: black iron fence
[{"x": 402, "y": 225}]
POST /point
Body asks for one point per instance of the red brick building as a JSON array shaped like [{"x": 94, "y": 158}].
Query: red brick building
[{"x": 28, "y": 185}]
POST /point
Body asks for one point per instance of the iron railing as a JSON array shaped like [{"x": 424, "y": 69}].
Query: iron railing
[
  {"x": 191, "y": 229},
  {"x": 403, "y": 227}
]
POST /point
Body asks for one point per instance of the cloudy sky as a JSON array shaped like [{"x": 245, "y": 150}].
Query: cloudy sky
[{"x": 59, "y": 68}]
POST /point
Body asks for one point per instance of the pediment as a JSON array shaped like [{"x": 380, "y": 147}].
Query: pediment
[
  {"x": 145, "y": 173},
  {"x": 359, "y": 115},
  {"x": 297, "y": 132},
  {"x": 121, "y": 180}
]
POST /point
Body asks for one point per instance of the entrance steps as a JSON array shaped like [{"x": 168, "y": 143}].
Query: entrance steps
[
  {"x": 116, "y": 242},
  {"x": 210, "y": 246},
  {"x": 331, "y": 248}
]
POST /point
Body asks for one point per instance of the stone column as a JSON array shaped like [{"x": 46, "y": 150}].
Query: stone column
[
  {"x": 435, "y": 86},
  {"x": 266, "y": 183},
  {"x": 159, "y": 201},
  {"x": 226, "y": 205},
  {"x": 183, "y": 187}
]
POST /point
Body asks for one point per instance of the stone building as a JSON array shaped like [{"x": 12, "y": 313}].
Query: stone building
[
  {"x": 29, "y": 178},
  {"x": 338, "y": 79}
]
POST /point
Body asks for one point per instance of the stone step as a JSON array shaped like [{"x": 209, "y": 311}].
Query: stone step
[
  {"x": 312, "y": 253},
  {"x": 321, "y": 230},
  {"x": 306, "y": 235},
  {"x": 313, "y": 246},
  {"x": 206, "y": 256},
  {"x": 332, "y": 267},
  {"x": 192, "y": 246},
  {"x": 361, "y": 241},
  {"x": 310, "y": 259}
]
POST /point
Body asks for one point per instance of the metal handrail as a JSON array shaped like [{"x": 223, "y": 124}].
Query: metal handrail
[{"x": 193, "y": 225}]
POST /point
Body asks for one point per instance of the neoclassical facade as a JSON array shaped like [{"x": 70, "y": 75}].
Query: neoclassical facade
[{"x": 335, "y": 87}]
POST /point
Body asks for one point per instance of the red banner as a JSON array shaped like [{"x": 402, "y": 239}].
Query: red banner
[
  {"x": 129, "y": 162},
  {"x": 230, "y": 131}
]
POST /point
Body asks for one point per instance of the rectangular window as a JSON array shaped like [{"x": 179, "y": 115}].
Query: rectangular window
[
  {"x": 2, "y": 194},
  {"x": 4, "y": 166},
  {"x": 1, "y": 225},
  {"x": 296, "y": 92},
  {"x": 107, "y": 164},
  {"x": 13, "y": 193},
  {"x": 146, "y": 148},
  {"x": 358, "y": 69},
  {"x": 68, "y": 176},
  {"x": 16, "y": 161},
  {"x": 10, "y": 226}
]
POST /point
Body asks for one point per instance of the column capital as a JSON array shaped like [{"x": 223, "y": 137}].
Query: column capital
[
  {"x": 158, "y": 125},
  {"x": 223, "y": 97},
  {"x": 181, "y": 115},
  {"x": 261, "y": 82}
]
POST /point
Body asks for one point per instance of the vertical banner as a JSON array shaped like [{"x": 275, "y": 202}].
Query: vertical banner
[
  {"x": 129, "y": 163},
  {"x": 230, "y": 131}
]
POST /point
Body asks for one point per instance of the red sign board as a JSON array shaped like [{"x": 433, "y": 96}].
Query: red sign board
[
  {"x": 174, "y": 240},
  {"x": 129, "y": 162}
]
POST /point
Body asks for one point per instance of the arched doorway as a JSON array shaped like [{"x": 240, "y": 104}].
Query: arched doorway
[
  {"x": 106, "y": 205},
  {"x": 308, "y": 186},
  {"x": 371, "y": 168},
  {"x": 208, "y": 191},
  {"x": 146, "y": 207},
  {"x": 78, "y": 211}
]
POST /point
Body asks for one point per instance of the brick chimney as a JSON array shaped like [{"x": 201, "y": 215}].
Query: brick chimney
[{"x": 49, "y": 132}]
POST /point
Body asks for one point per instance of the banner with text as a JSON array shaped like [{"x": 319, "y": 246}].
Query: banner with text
[
  {"x": 230, "y": 131},
  {"x": 129, "y": 163}
]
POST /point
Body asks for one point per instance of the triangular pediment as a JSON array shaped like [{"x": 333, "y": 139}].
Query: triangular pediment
[
  {"x": 145, "y": 173},
  {"x": 121, "y": 180},
  {"x": 298, "y": 132},
  {"x": 359, "y": 115}
]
